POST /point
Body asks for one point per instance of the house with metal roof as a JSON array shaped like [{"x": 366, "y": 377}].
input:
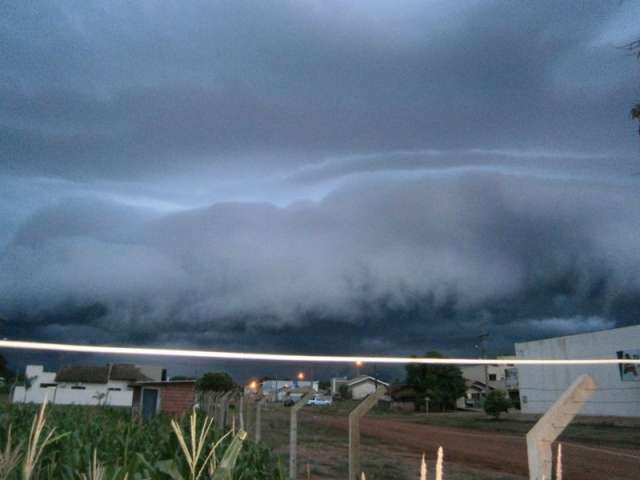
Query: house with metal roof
[{"x": 84, "y": 385}]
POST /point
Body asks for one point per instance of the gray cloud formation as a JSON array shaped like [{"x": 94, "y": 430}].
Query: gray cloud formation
[
  {"x": 364, "y": 177},
  {"x": 122, "y": 91},
  {"x": 449, "y": 249}
]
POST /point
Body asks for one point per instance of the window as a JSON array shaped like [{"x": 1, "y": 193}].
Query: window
[
  {"x": 492, "y": 377},
  {"x": 114, "y": 389},
  {"x": 47, "y": 385},
  {"x": 78, "y": 387}
]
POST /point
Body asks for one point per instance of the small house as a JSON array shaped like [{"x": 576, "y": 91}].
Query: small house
[
  {"x": 277, "y": 390},
  {"x": 363, "y": 386},
  {"x": 402, "y": 397},
  {"x": 82, "y": 384},
  {"x": 173, "y": 397}
]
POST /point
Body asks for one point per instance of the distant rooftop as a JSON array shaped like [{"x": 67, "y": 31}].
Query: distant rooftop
[{"x": 100, "y": 374}]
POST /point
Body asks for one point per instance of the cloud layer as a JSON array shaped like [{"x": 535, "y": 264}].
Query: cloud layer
[
  {"x": 129, "y": 91},
  {"x": 317, "y": 176},
  {"x": 462, "y": 248}
]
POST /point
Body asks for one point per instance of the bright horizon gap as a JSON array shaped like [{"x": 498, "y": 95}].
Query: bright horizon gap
[{"x": 275, "y": 357}]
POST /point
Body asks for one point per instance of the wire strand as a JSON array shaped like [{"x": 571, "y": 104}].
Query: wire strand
[{"x": 168, "y": 352}]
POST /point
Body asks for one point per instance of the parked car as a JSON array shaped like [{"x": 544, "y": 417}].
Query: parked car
[
  {"x": 320, "y": 401},
  {"x": 289, "y": 402}
]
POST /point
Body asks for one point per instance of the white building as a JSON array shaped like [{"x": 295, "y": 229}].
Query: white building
[
  {"x": 481, "y": 379},
  {"x": 618, "y": 390},
  {"x": 278, "y": 390},
  {"x": 336, "y": 383},
  {"x": 364, "y": 385},
  {"x": 82, "y": 385}
]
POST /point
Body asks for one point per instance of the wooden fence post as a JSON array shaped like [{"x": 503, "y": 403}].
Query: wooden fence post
[
  {"x": 354, "y": 430},
  {"x": 241, "y": 411},
  {"x": 551, "y": 425},
  {"x": 258, "y": 427},
  {"x": 293, "y": 435}
]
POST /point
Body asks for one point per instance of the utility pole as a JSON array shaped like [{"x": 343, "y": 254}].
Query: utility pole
[{"x": 484, "y": 337}]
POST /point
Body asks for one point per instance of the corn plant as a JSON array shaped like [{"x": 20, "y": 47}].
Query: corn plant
[
  {"x": 9, "y": 457},
  {"x": 38, "y": 441},
  {"x": 103, "y": 443}
]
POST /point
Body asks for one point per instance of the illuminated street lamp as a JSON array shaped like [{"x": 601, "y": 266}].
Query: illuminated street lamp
[
  {"x": 253, "y": 385},
  {"x": 300, "y": 375},
  {"x": 359, "y": 364}
]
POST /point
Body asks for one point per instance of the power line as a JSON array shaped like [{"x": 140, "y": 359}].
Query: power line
[{"x": 275, "y": 357}]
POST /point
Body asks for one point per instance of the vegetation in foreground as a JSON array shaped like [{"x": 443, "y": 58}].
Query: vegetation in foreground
[{"x": 101, "y": 443}]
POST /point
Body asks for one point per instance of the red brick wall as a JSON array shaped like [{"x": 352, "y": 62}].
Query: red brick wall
[{"x": 177, "y": 399}]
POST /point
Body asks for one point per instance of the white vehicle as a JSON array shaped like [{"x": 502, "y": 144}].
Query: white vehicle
[{"x": 320, "y": 401}]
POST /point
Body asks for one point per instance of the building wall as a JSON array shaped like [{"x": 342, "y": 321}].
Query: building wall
[
  {"x": 335, "y": 384},
  {"x": 268, "y": 387},
  {"x": 114, "y": 393},
  {"x": 362, "y": 389},
  {"x": 177, "y": 399},
  {"x": 541, "y": 385},
  {"x": 475, "y": 373}
]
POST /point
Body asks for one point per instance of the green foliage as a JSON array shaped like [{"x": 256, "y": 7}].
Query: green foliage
[
  {"x": 443, "y": 384},
  {"x": 496, "y": 403},
  {"x": 143, "y": 450},
  {"x": 216, "y": 381},
  {"x": 345, "y": 392}
]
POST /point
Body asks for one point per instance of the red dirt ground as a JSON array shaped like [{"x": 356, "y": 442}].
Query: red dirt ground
[{"x": 494, "y": 451}]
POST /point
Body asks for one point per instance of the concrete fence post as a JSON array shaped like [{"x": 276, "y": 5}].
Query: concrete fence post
[
  {"x": 214, "y": 401},
  {"x": 241, "y": 412},
  {"x": 354, "y": 430},
  {"x": 258, "y": 427},
  {"x": 223, "y": 402},
  {"x": 293, "y": 435},
  {"x": 233, "y": 398},
  {"x": 551, "y": 425}
]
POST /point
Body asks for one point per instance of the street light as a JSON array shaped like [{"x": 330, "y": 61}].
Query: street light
[
  {"x": 359, "y": 364},
  {"x": 300, "y": 375}
]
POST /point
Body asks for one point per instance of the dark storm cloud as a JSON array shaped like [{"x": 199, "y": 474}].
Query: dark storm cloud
[
  {"x": 377, "y": 267},
  {"x": 123, "y": 90},
  {"x": 373, "y": 177}
]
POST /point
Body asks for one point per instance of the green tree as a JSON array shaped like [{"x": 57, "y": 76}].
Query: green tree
[
  {"x": 4, "y": 371},
  {"x": 443, "y": 384},
  {"x": 216, "y": 381},
  {"x": 496, "y": 403},
  {"x": 345, "y": 392}
]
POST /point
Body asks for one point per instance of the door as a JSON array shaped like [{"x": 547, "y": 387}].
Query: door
[{"x": 149, "y": 402}]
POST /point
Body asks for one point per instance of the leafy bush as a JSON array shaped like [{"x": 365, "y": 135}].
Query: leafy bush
[
  {"x": 216, "y": 381},
  {"x": 496, "y": 403},
  {"x": 345, "y": 392}
]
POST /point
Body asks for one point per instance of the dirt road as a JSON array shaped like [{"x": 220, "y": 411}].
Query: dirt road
[{"x": 494, "y": 451}]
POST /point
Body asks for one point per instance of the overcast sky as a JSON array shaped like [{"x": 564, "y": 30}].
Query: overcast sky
[{"x": 317, "y": 176}]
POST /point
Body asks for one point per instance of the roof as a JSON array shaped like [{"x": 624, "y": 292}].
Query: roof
[
  {"x": 83, "y": 374},
  {"x": 399, "y": 391},
  {"x": 365, "y": 378},
  {"x": 150, "y": 383},
  {"x": 127, "y": 372},
  {"x": 99, "y": 374}
]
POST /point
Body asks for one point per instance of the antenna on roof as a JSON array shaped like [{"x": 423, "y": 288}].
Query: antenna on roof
[{"x": 483, "y": 340}]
